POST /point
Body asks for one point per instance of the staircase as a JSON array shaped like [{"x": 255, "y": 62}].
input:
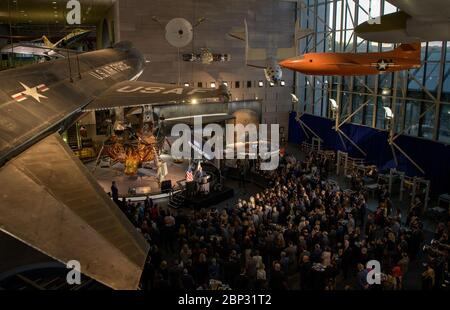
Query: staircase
[
  {"x": 177, "y": 200},
  {"x": 72, "y": 137}
]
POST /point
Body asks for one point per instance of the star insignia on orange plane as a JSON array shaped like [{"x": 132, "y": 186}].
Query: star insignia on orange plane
[
  {"x": 33, "y": 92},
  {"x": 382, "y": 64}
]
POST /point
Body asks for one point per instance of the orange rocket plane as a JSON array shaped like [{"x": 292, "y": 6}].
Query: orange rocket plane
[{"x": 404, "y": 57}]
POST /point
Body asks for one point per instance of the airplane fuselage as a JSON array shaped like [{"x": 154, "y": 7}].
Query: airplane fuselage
[
  {"x": 44, "y": 98},
  {"x": 350, "y": 64}
]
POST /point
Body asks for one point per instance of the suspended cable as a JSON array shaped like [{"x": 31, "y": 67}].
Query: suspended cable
[{"x": 12, "y": 62}]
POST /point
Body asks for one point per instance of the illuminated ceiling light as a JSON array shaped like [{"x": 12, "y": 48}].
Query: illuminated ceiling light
[
  {"x": 282, "y": 83},
  {"x": 186, "y": 84},
  {"x": 260, "y": 83},
  {"x": 294, "y": 98},
  {"x": 334, "y": 106},
  {"x": 386, "y": 92},
  {"x": 194, "y": 101},
  {"x": 388, "y": 115},
  {"x": 54, "y": 2},
  {"x": 213, "y": 84},
  {"x": 225, "y": 83}
]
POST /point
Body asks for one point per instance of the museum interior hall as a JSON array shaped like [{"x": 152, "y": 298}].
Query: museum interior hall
[{"x": 259, "y": 145}]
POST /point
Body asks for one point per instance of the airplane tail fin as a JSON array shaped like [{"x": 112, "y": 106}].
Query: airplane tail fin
[
  {"x": 47, "y": 42},
  {"x": 411, "y": 49}
]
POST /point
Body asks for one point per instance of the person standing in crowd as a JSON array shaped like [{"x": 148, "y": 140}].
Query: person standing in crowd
[{"x": 115, "y": 192}]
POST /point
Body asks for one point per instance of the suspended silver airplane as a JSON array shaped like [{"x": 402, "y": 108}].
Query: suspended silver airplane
[
  {"x": 43, "y": 47},
  {"x": 49, "y": 200}
]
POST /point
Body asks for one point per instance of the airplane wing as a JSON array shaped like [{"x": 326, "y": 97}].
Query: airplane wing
[
  {"x": 424, "y": 10},
  {"x": 136, "y": 93},
  {"x": 52, "y": 203}
]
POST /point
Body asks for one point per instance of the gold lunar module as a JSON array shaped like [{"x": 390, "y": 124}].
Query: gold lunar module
[{"x": 129, "y": 148}]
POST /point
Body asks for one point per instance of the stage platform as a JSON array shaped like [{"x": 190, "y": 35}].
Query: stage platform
[{"x": 145, "y": 183}]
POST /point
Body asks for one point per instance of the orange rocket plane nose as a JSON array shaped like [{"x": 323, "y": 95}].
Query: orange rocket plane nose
[{"x": 292, "y": 63}]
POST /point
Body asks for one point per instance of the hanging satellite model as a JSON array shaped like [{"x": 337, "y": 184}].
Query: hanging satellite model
[
  {"x": 179, "y": 32},
  {"x": 206, "y": 57}
]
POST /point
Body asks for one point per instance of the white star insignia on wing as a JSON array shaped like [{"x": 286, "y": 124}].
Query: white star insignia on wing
[{"x": 32, "y": 92}]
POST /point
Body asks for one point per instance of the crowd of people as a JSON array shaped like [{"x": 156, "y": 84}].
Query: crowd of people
[{"x": 302, "y": 232}]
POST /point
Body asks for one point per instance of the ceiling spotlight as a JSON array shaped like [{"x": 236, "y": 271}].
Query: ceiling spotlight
[
  {"x": 272, "y": 84},
  {"x": 334, "y": 106},
  {"x": 388, "y": 115},
  {"x": 260, "y": 83},
  {"x": 282, "y": 83},
  {"x": 186, "y": 84},
  {"x": 213, "y": 84},
  {"x": 194, "y": 101},
  {"x": 386, "y": 92},
  {"x": 225, "y": 83}
]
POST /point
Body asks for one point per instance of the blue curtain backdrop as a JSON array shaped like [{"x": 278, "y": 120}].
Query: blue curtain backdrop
[{"x": 432, "y": 157}]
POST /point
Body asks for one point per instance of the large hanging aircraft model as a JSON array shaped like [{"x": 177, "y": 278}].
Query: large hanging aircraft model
[
  {"x": 49, "y": 200},
  {"x": 417, "y": 21},
  {"x": 406, "y": 56},
  {"x": 45, "y": 49}
]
